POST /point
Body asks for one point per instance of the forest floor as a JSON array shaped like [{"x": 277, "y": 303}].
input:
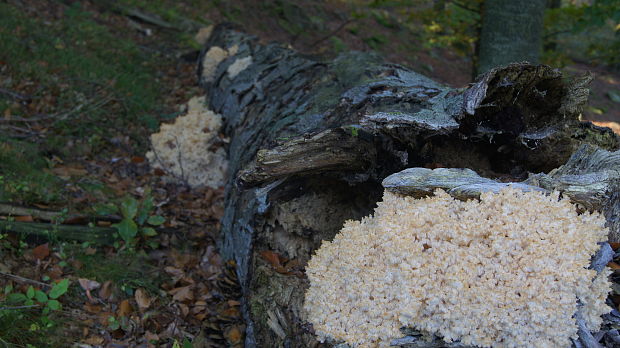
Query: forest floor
[{"x": 83, "y": 84}]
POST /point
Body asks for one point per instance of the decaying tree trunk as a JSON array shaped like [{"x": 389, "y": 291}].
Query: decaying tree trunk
[{"x": 312, "y": 141}]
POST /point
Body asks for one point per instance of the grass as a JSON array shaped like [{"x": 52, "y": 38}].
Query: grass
[
  {"x": 128, "y": 271},
  {"x": 84, "y": 71},
  {"x": 23, "y": 175},
  {"x": 21, "y": 327}
]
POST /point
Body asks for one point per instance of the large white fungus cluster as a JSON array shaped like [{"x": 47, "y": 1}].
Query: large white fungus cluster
[
  {"x": 184, "y": 149},
  {"x": 505, "y": 271}
]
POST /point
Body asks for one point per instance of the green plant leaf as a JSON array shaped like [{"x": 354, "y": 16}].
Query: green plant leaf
[
  {"x": 29, "y": 302},
  {"x": 129, "y": 208},
  {"x": 187, "y": 343},
  {"x": 156, "y": 220},
  {"x": 105, "y": 209},
  {"x": 149, "y": 232},
  {"x": 17, "y": 297},
  {"x": 59, "y": 289},
  {"x": 145, "y": 209},
  {"x": 127, "y": 229},
  {"x": 53, "y": 305},
  {"x": 40, "y": 296},
  {"x": 30, "y": 292}
]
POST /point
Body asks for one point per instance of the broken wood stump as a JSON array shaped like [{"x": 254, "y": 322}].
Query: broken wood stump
[{"x": 311, "y": 142}]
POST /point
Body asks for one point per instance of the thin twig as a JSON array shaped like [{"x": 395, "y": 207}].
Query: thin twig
[
  {"x": 15, "y": 95},
  {"x": 24, "y": 280},
  {"x": 20, "y": 307}
]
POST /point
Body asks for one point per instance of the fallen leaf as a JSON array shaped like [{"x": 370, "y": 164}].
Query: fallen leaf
[
  {"x": 614, "y": 245},
  {"x": 233, "y": 335},
  {"x": 142, "y": 299},
  {"x": 137, "y": 159},
  {"x": 271, "y": 257},
  {"x": 92, "y": 308},
  {"x": 41, "y": 252},
  {"x": 174, "y": 272},
  {"x": 90, "y": 251},
  {"x": 124, "y": 309},
  {"x": 275, "y": 261},
  {"x": 182, "y": 294},
  {"x": 184, "y": 309},
  {"x": 94, "y": 340},
  {"x": 106, "y": 290}
]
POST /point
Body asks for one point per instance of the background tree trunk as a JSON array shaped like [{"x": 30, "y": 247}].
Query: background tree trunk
[
  {"x": 311, "y": 141},
  {"x": 511, "y": 32}
]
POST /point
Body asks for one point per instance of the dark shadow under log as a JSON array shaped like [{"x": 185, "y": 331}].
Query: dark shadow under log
[{"x": 311, "y": 142}]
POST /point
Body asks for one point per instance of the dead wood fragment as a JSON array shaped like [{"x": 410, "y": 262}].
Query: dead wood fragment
[{"x": 95, "y": 235}]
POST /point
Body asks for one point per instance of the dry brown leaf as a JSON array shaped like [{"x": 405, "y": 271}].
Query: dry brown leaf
[
  {"x": 94, "y": 340},
  {"x": 175, "y": 273},
  {"x": 41, "y": 252},
  {"x": 184, "y": 309},
  {"x": 106, "y": 290},
  {"x": 275, "y": 260},
  {"x": 142, "y": 299},
  {"x": 233, "y": 303},
  {"x": 90, "y": 251},
  {"x": 124, "y": 309},
  {"x": 233, "y": 335},
  {"x": 92, "y": 308},
  {"x": 271, "y": 257},
  {"x": 182, "y": 294}
]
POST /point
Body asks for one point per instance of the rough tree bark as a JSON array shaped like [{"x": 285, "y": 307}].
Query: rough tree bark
[
  {"x": 511, "y": 32},
  {"x": 311, "y": 142}
]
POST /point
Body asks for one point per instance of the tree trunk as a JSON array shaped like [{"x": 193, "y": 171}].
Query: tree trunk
[
  {"x": 311, "y": 142},
  {"x": 511, "y": 32}
]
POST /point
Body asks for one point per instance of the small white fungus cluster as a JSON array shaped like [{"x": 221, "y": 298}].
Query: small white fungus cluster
[
  {"x": 184, "y": 148},
  {"x": 505, "y": 271}
]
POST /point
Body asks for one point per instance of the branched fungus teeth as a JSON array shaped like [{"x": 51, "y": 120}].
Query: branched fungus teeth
[{"x": 505, "y": 271}]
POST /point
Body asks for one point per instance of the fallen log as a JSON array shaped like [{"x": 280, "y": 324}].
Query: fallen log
[{"x": 311, "y": 142}]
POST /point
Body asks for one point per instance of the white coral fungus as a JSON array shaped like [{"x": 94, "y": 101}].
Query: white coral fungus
[
  {"x": 505, "y": 271},
  {"x": 184, "y": 149}
]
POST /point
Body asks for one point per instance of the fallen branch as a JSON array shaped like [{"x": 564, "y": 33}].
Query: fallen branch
[
  {"x": 24, "y": 280},
  {"x": 12, "y": 210},
  {"x": 96, "y": 235}
]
